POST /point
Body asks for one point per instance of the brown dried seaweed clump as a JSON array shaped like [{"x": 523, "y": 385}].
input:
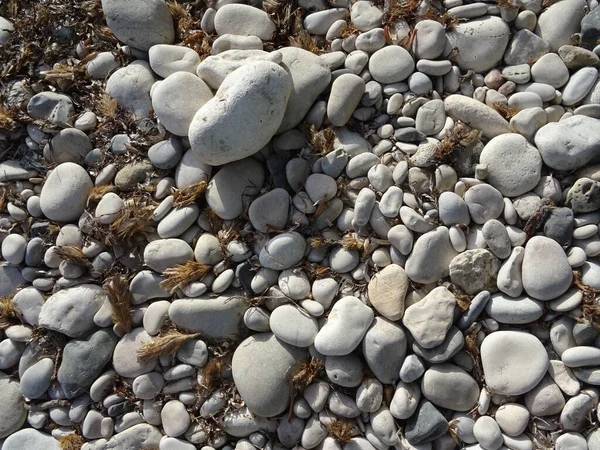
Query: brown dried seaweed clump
[
  {"x": 119, "y": 297},
  {"x": 71, "y": 442},
  {"x": 8, "y": 313},
  {"x": 183, "y": 274},
  {"x": 164, "y": 344}
]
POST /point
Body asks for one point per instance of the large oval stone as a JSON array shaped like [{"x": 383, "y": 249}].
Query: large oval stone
[
  {"x": 546, "y": 270},
  {"x": 243, "y": 115},
  {"x": 65, "y": 192},
  {"x": 260, "y": 367}
]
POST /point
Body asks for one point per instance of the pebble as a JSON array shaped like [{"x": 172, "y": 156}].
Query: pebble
[
  {"x": 233, "y": 187},
  {"x": 568, "y": 144},
  {"x": 426, "y": 425},
  {"x": 177, "y": 99},
  {"x": 557, "y": 23},
  {"x": 545, "y": 399},
  {"x": 481, "y": 43},
  {"x": 514, "y": 166},
  {"x": 551, "y": 70},
  {"x": 213, "y": 317},
  {"x": 488, "y": 433},
  {"x": 161, "y": 254},
  {"x": 166, "y": 60},
  {"x": 243, "y": 20},
  {"x": 448, "y": 386},
  {"x": 543, "y": 280},
  {"x": 579, "y": 85},
  {"x": 387, "y": 291},
  {"x": 56, "y": 108},
  {"x": 293, "y": 326},
  {"x": 260, "y": 109},
  {"x": 476, "y": 114},
  {"x": 64, "y": 194},
  {"x": 125, "y": 360},
  {"x": 384, "y": 347},
  {"x": 175, "y": 418},
  {"x": 66, "y": 313},
  {"x": 130, "y": 87},
  {"x": 421, "y": 265},
  {"x": 346, "y": 93},
  {"x": 513, "y": 362},
  {"x": 512, "y": 418},
  {"x": 283, "y": 251},
  {"x": 83, "y": 360},
  {"x": 140, "y": 24},
  {"x": 391, "y": 64},
  {"x": 265, "y": 390},
  {"x": 30, "y": 439},
  {"x": 474, "y": 271},
  {"x": 346, "y": 325},
  {"x": 430, "y": 319},
  {"x": 12, "y": 411}
]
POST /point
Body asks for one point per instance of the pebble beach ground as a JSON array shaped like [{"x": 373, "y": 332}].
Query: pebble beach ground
[{"x": 307, "y": 224}]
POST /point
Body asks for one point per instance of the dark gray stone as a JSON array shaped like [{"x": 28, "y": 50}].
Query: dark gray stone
[
  {"x": 83, "y": 361},
  {"x": 425, "y": 425},
  {"x": 409, "y": 134},
  {"x": 590, "y": 29},
  {"x": 447, "y": 349},
  {"x": 559, "y": 226},
  {"x": 10, "y": 279}
]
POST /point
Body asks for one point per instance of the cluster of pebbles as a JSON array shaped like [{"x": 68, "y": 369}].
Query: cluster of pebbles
[{"x": 393, "y": 243}]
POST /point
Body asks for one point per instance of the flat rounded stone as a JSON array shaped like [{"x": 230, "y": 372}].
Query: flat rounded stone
[
  {"x": 293, "y": 326},
  {"x": 125, "y": 360},
  {"x": 148, "y": 385},
  {"x": 251, "y": 100},
  {"x": 30, "y": 439},
  {"x": 232, "y": 188},
  {"x": 514, "y": 311},
  {"x": 178, "y": 221},
  {"x": 346, "y": 325},
  {"x": 270, "y": 211},
  {"x": 391, "y": 64},
  {"x": 140, "y": 23},
  {"x": 130, "y": 86},
  {"x": 283, "y": 251},
  {"x": 260, "y": 367},
  {"x": 310, "y": 77},
  {"x": 346, "y": 92},
  {"x": 551, "y": 70},
  {"x": 194, "y": 352},
  {"x": 453, "y": 210},
  {"x": 69, "y": 145},
  {"x": 448, "y": 386},
  {"x": 579, "y": 85},
  {"x": 177, "y": 99},
  {"x": 514, "y": 165},
  {"x": 426, "y": 425},
  {"x": 559, "y": 21},
  {"x": 546, "y": 270},
  {"x": 431, "y": 257},
  {"x": 484, "y": 202},
  {"x": 12, "y": 409},
  {"x": 51, "y": 106},
  {"x": 243, "y": 20},
  {"x": 161, "y": 254},
  {"x": 476, "y": 114},
  {"x": 65, "y": 192},
  {"x": 480, "y": 42},
  {"x": 346, "y": 371},
  {"x": 512, "y": 418},
  {"x": 387, "y": 290},
  {"x": 175, "y": 418},
  {"x": 570, "y": 143},
  {"x": 71, "y": 311},
  {"x": 430, "y": 318},
  {"x": 191, "y": 170},
  {"x": 487, "y": 432},
  {"x": 545, "y": 399},
  {"x": 166, "y": 60},
  {"x": 513, "y": 362},
  {"x": 216, "y": 318},
  {"x": 384, "y": 347}
]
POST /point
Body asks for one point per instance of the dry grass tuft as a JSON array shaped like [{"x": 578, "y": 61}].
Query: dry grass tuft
[
  {"x": 72, "y": 253},
  {"x": 320, "y": 141},
  {"x": 4, "y": 194},
  {"x": 8, "y": 313},
  {"x": 304, "y": 373},
  {"x": 318, "y": 242},
  {"x": 351, "y": 242},
  {"x": 189, "y": 194},
  {"x": 183, "y": 274},
  {"x": 7, "y": 121},
  {"x": 449, "y": 21},
  {"x": 589, "y": 306},
  {"x": 302, "y": 39},
  {"x": 119, "y": 297},
  {"x": 216, "y": 223},
  {"x": 458, "y": 138},
  {"x": 210, "y": 376},
  {"x": 349, "y": 30},
  {"x": 133, "y": 220},
  {"x": 200, "y": 42},
  {"x": 71, "y": 442},
  {"x": 163, "y": 345},
  {"x": 402, "y": 10},
  {"x": 507, "y": 112},
  {"x": 107, "y": 106},
  {"x": 98, "y": 192},
  {"x": 340, "y": 430}
]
